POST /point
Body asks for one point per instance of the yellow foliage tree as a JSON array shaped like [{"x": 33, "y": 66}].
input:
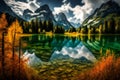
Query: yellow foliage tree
[{"x": 14, "y": 31}]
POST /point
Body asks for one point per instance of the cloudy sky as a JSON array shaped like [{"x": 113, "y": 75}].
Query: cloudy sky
[{"x": 75, "y": 10}]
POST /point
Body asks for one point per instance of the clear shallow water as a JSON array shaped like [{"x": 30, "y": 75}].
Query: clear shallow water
[{"x": 43, "y": 48}]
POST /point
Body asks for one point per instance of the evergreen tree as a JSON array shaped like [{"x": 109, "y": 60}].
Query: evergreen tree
[
  {"x": 105, "y": 27},
  {"x": 111, "y": 26}
]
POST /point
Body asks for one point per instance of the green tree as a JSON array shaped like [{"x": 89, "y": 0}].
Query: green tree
[
  {"x": 111, "y": 26},
  {"x": 72, "y": 29},
  {"x": 105, "y": 27},
  {"x": 58, "y": 30}
]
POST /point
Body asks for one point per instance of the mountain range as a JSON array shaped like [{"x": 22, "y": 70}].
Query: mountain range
[
  {"x": 42, "y": 13},
  {"x": 4, "y": 8},
  {"x": 105, "y": 12}
]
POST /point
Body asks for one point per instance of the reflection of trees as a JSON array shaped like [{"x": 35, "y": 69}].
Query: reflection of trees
[
  {"x": 95, "y": 43},
  {"x": 55, "y": 41},
  {"x": 98, "y": 43}
]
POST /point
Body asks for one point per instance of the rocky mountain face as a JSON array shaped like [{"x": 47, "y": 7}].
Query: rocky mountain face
[
  {"x": 27, "y": 14},
  {"x": 21, "y": 0},
  {"x": 4, "y": 8},
  {"x": 106, "y": 11},
  {"x": 10, "y": 15},
  {"x": 62, "y": 20},
  {"x": 43, "y": 13}
]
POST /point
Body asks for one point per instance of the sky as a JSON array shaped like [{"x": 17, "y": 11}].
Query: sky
[{"x": 75, "y": 10}]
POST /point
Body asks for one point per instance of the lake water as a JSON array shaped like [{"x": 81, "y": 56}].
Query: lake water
[
  {"x": 48, "y": 48},
  {"x": 60, "y": 57}
]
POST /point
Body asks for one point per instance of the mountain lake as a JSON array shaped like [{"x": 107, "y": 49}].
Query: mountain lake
[{"x": 60, "y": 55}]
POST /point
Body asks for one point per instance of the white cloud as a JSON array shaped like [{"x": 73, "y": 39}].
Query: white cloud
[
  {"x": 31, "y": 59},
  {"x": 19, "y": 7},
  {"x": 64, "y": 1},
  {"x": 76, "y": 53},
  {"x": 64, "y": 8},
  {"x": 80, "y": 12}
]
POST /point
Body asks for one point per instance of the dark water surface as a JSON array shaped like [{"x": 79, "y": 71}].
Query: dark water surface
[
  {"x": 53, "y": 47},
  {"x": 63, "y": 57}
]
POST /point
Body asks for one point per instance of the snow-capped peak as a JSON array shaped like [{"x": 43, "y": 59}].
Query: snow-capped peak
[{"x": 33, "y": 6}]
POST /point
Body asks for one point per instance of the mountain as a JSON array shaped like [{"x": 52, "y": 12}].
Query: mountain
[
  {"x": 106, "y": 12},
  {"x": 22, "y": 0},
  {"x": 44, "y": 13},
  {"x": 76, "y": 25},
  {"x": 27, "y": 14},
  {"x": 4, "y": 8},
  {"x": 10, "y": 15},
  {"x": 62, "y": 21}
]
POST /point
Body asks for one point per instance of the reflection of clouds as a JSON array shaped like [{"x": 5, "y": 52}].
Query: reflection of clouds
[
  {"x": 31, "y": 59},
  {"x": 78, "y": 52},
  {"x": 68, "y": 49},
  {"x": 71, "y": 49}
]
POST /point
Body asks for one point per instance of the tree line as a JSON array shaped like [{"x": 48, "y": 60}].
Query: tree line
[
  {"x": 111, "y": 26},
  {"x": 38, "y": 26}
]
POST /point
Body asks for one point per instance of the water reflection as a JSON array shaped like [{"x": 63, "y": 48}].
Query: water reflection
[
  {"x": 100, "y": 43},
  {"x": 31, "y": 59},
  {"x": 79, "y": 52},
  {"x": 88, "y": 48}
]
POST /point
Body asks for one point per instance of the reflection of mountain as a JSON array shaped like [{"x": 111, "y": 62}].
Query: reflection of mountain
[
  {"x": 99, "y": 44},
  {"x": 79, "y": 52},
  {"x": 45, "y": 46},
  {"x": 32, "y": 59},
  {"x": 62, "y": 47}
]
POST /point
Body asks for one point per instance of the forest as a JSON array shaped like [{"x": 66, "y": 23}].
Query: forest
[
  {"x": 12, "y": 67},
  {"x": 36, "y": 26},
  {"x": 110, "y": 26}
]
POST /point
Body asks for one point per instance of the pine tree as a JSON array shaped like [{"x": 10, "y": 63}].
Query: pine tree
[{"x": 105, "y": 27}]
